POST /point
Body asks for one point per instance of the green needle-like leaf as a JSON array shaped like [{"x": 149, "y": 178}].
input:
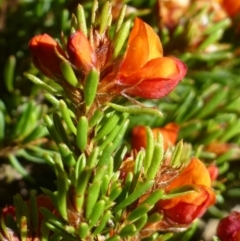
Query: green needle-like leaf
[
  {"x": 120, "y": 38},
  {"x": 115, "y": 193},
  {"x": 83, "y": 230},
  {"x": 128, "y": 231},
  {"x": 139, "y": 212},
  {"x": 66, "y": 116},
  {"x": 108, "y": 126},
  {"x": 149, "y": 149},
  {"x": 114, "y": 238},
  {"x": 68, "y": 73},
  {"x": 82, "y": 133},
  {"x": 156, "y": 161},
  {"x": 105, "y": 184},
  {"x": 41, "y": 84},
  {"x": 67, "y": 155},
  {"x": 140, "y": 190},
  {"x": 92, "y": 197},
  {"x": 120, "y": 18},
  {"x": 2, "y": 126},
  {"x": 44, "y": 231},
  {"x": 62, "y": 184},
  {"x": 81, "y": 19},
  {"x": 23, "y": 228},
  {"x": 106, "y": 155},
  {"x": 102, "y": 223},
  {"x": 97, "y": 213},
  {"x": 80, "y": 165},
  {"x": 51, "y": 128},
  {"x": 104, "y": 17},
  {"x": 100, "y": 173},
  {"x": 60, "y": 129},
  {"x": 155, "y": 217},
  {"x": 18, "y": 166},
  {"x": 136, "y": 110},
  {"x": 176, "y": 156},
  {"x": 93, "y": 158},
  {"x": 97, "y": 116},
  {"x": 90, "y": 87},
  {"x": 9, "y": 70},
  {"x": 154, "y": 197},
  {"x": 82, "y": 183},
  {"x": 140, "y": 223}
]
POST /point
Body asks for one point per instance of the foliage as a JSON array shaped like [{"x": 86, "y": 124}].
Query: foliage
[{"x": 70, "y": 135}]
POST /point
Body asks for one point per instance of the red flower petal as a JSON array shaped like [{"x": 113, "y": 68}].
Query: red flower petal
[
  {"x": 186, "y": 212},
  {"x": 156, "y": 79}
]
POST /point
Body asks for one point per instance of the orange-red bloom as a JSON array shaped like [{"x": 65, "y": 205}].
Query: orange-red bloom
[
  {"x": 44, "y": 53},
  {"x": 185, "y": 208},
  {"x": 232, "y": 7},
  {"x": 169, "y": 132},
  {"x": 229, "y": 228},
  {"x": 144, "y": 71},
  {"x": 80, "y": 51}
]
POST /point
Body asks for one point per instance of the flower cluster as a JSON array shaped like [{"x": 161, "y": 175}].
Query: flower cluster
[
  {"x": 145, "y": 74},
  {"x": 183, "y": 209}
]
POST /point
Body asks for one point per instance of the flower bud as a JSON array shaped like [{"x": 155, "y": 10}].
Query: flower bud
[
  {"x": 213, "y": 171},
  {"x": 229, "y": 227},
  {"x": 232, "y": 7},
  {"x": 45, "y": 58},
  {"x": 80, "y": 51}
]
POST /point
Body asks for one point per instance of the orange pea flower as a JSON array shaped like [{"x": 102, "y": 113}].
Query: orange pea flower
[
  {"x": 229, "y": 227},
  {"x": 232, "y": 7},
  {"x": 144, "y": 71},
  {"x": 169, "y": 132},
  {"x": 187, "y": 207}
]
